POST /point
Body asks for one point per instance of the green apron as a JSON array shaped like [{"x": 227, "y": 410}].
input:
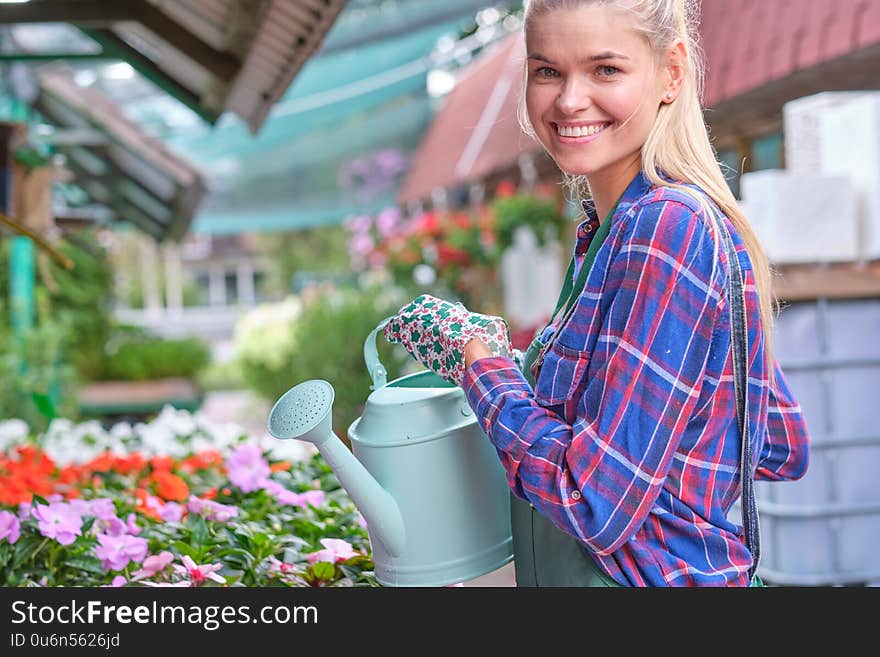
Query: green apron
[{"x": 544, "y": 555}]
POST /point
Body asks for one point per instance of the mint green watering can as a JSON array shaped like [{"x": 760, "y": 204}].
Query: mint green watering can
[{"x": 421, "y": 471}]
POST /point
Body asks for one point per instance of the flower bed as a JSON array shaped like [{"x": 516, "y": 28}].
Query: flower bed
[{"x": 175, "y": 502}]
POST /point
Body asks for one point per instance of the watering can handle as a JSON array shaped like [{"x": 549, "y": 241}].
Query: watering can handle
[{"x": 371, "y": 356}]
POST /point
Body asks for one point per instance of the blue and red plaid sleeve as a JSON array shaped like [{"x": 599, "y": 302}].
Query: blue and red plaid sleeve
[
  {"x": 785, "y": 453},
  {"x": 596, "y": 467}
]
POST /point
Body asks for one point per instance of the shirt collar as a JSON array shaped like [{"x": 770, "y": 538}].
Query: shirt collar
[{"x": 637, "y": 188}]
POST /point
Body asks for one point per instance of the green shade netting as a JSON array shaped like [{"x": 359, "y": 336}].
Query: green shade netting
[{"x": 349, "y": 113}]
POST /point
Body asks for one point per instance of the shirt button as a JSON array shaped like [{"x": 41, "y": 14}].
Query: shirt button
[{"x": 576, "y": 495}]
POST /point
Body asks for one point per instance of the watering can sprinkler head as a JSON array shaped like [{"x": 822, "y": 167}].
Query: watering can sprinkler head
[{"x": 305, "y": 412}]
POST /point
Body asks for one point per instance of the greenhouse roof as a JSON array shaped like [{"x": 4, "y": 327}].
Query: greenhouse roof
[
  {"x": 340, "y": 140},
  {"x": 211, "y": 55},
  {"x": 129, "y": 172}
]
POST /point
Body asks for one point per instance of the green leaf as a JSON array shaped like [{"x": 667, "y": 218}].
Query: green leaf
[
  {"x": 44, "y": 405},
  {"x": 89, "y": 564},
  {"x": 184, "y": 548},
  {"x": 199, "y": 529},
  {"x": 360, "y": 561},
  {"x": 324, "y": 571}
]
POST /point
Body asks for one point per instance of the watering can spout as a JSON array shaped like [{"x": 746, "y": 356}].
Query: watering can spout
[
  {"x": 305, "y": 413},
  {"x": 378, "y": 507}
]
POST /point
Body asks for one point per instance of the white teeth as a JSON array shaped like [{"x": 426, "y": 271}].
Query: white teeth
[{"x": 579, "y": 131}]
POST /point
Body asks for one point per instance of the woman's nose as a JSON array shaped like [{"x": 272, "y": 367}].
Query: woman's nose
[{"x": 573, "y": 97}]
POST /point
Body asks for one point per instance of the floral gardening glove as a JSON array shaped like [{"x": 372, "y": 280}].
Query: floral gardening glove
[{"x": 435, "y": 332}]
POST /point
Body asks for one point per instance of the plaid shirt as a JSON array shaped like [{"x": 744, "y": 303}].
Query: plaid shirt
[{"x": 629, "y": 440}]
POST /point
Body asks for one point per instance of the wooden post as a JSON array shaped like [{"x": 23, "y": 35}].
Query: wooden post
[
  {"x": 173, "y": 278},
  {"x": 150, "y": 279}
]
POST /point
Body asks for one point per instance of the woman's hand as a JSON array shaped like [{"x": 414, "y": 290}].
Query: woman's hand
[
  {"x": 475, "y": 349},
  {"x": 436, "y": 332}
]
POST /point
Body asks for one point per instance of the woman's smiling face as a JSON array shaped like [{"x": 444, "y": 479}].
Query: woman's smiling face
[{"x": 592, "y": 91}]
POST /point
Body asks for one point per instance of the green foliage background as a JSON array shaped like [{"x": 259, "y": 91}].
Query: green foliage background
[
  {"x": 539, "y": 214},
  {"x": 329, "y": 345}
]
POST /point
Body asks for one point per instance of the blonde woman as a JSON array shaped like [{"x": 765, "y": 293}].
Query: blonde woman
[{"x": 621, "y": 433}]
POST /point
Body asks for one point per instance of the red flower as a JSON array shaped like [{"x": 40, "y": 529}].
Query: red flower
[
  {"x": 505, "y": 188},
  {"x": 427, "y": 223},
  {"x": 447, "y": 255},
  {"x": 169, "y": 486},
  {"x": 162, "y": 463}
]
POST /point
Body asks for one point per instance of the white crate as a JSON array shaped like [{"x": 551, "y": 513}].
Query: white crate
[
  {"x": 838, "y": 133},
  {"x": 823, "y": 529},
  {"x": 850, "y": 145},
  {"x": 802, "y": 217},
  {"x": 801, "y": 124},
  {"x": 531, "y": 276}
]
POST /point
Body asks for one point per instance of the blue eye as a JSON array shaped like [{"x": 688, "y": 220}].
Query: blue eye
[
  {"x": 546, "y": 72},
  {"x": 607, "y": 71}
]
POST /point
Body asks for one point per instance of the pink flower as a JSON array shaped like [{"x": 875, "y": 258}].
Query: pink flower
[
  {"x": 358, "y": 224},
  {"x": 171, "y": 512},
  {"x": 387, "y": 221},
  {"x": 287, "y": 497},
  {"x": 112, "y": 526},
  {"x": 10, "y": 526},
  {"x": 360, "y": 245},
  {"x": 312, "y": 498},
  {"x": 115, "y": 552},
  {"x": 118, "y": 581},
  {"x": 153, "y": 564},
  {"x": 276, "y": 566},
  {"x": 335, "y": 550},
  {"x": 247, "y": 468},
  {"x": 211, "y": 510},
  {"x": 59, "y": 521},
  {"x": 198, "y": 574},
  {"x": 131, "y": 525},
  {"x": 281, "y": 494},
  {"x": 102, "y": 508}
]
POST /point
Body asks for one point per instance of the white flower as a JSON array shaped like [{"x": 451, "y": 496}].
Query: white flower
[
  {"x": 178, "y": 422},
  {"x": 287, "y": 450},
  {"x": 12, "y": 432}
]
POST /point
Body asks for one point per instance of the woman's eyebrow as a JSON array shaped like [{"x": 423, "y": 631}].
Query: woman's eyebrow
[
  {"x": 608, "y": 54},
  {"x": 599, "y": 57}
]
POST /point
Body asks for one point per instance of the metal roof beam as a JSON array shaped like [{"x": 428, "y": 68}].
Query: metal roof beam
[
  {"x": 91, "y": 12},
  {"x": 103, "y": 190},
  {"x": 114, "y": 45},
  {"x": 96, "y": 13},
  {"x": 218, "y": 63},
  {"x": 61, "y": 137},
  {"x": 50, "y": 56},
  {"x": 120, "y": 185}
]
